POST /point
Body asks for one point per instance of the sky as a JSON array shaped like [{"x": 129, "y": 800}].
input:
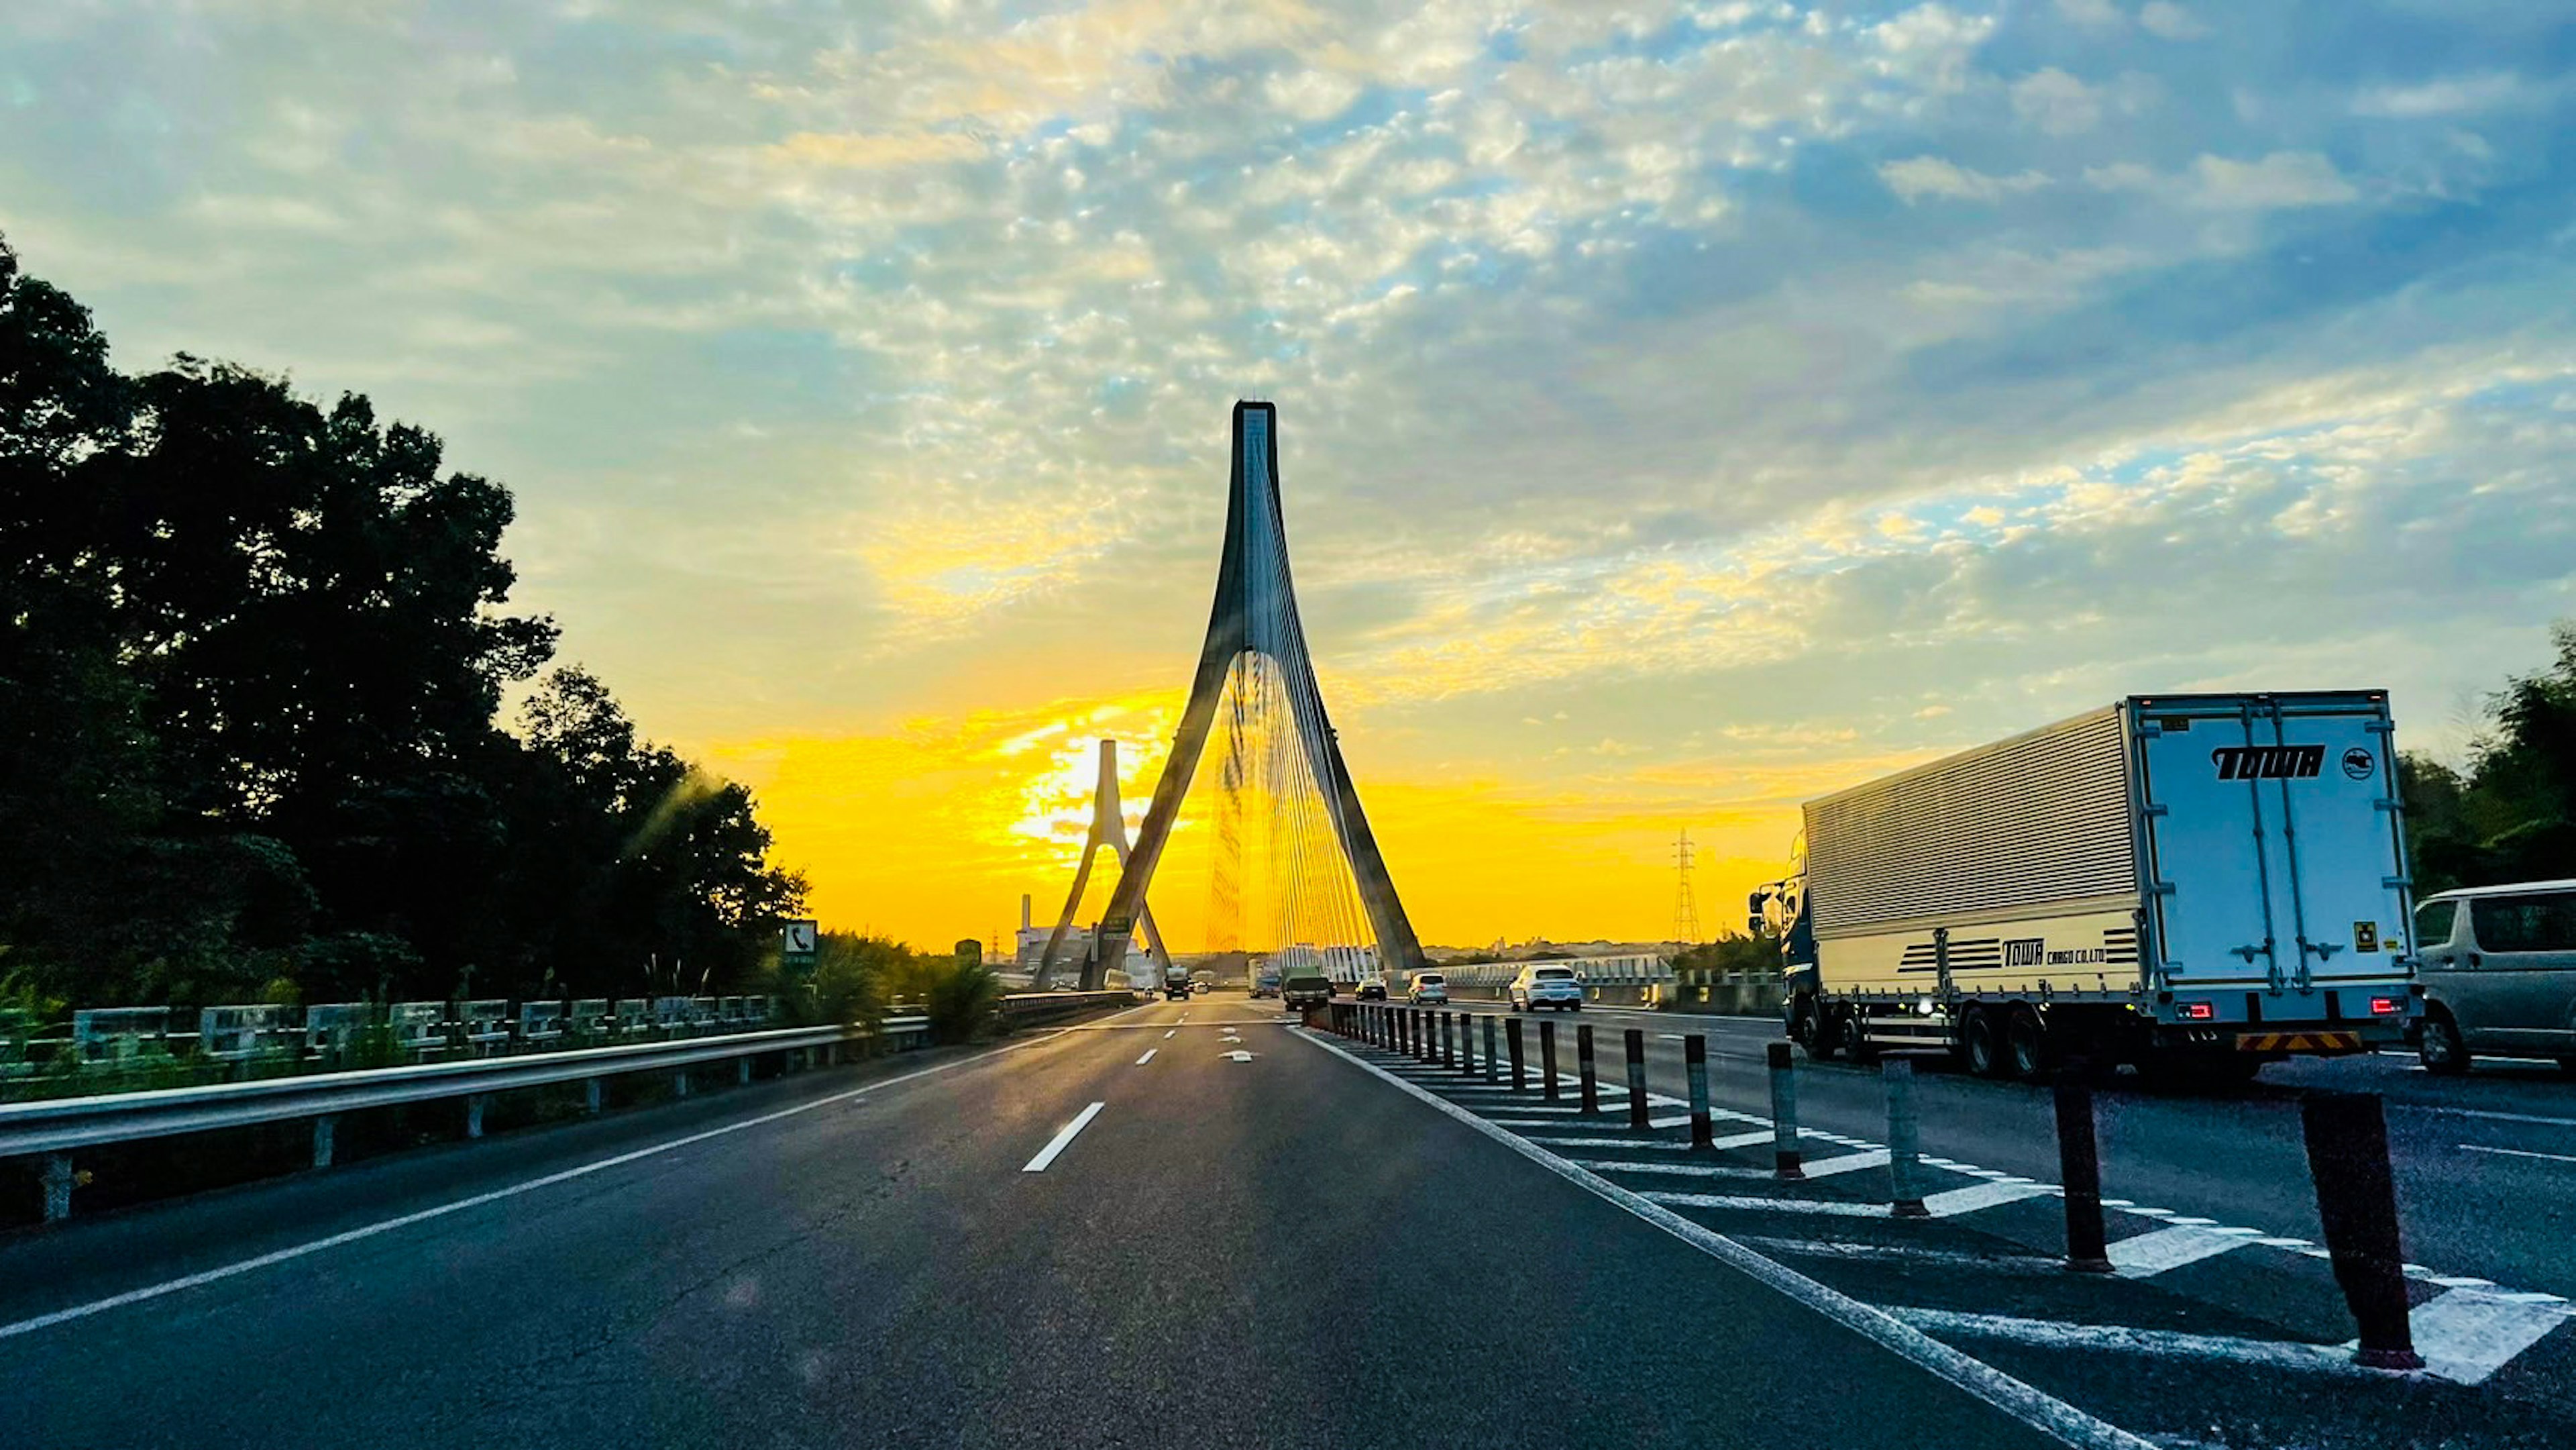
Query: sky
[{"x": 1683, "y": 411}]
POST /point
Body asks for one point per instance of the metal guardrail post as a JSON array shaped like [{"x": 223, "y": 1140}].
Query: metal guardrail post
[
  {"x": 2079, "y": 1167},
  {"x": 1467, "y": 1042},
  {"x": 1520, "y": 1073},
  {"x": 475, "y": 1103},
  {"x": 680, "y": 1083},
  {"x": 1584, "y": 1071},
  {"x": 2347, "y": 1137},
  {"x": 1637, "y": 1104},
  {"x": 1784, "y": 1112},
  {"x": 1492, "y": 1072},
  {"x": 590, "y": 1093},
  {"x": 59, "y": 1180},
  {"x": 742, "y": 1071},
  {"x": 325, "y": 1129},
  {"x": 1695, "y": 1066},
  {"x": 1904, "y": 1165},
  {"x": 1547, "y": 1061},
  {"x": 1448, "y": 1048}
]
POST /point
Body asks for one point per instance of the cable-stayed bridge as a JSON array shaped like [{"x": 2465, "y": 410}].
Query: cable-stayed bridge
[{"x": 1294, "y": 865}]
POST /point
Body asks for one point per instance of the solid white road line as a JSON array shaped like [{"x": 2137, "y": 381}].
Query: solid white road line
[
  {"x": 2161, "y": 1343},
  {"x": 1063, "y": 1139},
  {"x": 2468, "y": 1334},
  {"x": 2041, "y": 1411},
  {"x": 2517, "y": 1153},
  {"x": 1547, "y": 1142},
  {"x": 2150, "y": 1254},
  {"x": 1742, "y": 1203},
  {"x": 1907, "y": 1253},
  {"x": 2487, "y": 1114},
  {"x": 1148, "y": 1057},
  {"x": 280, "y": 1256}
]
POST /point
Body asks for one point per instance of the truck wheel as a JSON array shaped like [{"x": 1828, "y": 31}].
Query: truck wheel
[
  {"x": 1855, "y": 1034},
  {"x": 2026, "y": 1046},
  {"x": 1815, "y": 1031},
  {"x": 1984, "y": 1043},
  {"x": 2439, "y": 1047}
]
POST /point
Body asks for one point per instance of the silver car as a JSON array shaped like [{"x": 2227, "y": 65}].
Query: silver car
[{"x": 2499, "y": 973}]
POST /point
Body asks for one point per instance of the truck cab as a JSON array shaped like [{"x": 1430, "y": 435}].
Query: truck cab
[{"x": 1176, "y": 985}]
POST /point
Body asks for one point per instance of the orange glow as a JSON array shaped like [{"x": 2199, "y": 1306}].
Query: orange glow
[{"x": 932, "y": 830}]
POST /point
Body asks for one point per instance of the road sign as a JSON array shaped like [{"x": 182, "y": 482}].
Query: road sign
[
  {"x": 798, "y": 944},
  {"x": 1117, "y": 928}
]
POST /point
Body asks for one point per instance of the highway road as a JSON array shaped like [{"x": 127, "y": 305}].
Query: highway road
[
  {"x": 1198, "y": 1224},
  {"x": 1189, "y": 1224}
]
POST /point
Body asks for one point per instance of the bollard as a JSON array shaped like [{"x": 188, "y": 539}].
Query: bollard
[
  {"x": 325, "y": 1129},
  {"x": 1547, "y": 1061},
  {"x": 1492, "y": 1073},
  {"x": 2347, "y": 1137},
  {"x": 1904, "y": 1168},
  {"x": 1520, "y": 1077},
  {"x": 2079, "y": 1167},
  {"x": 474, "y": 1105},
  {"x": 1467, "y": 1043},
  {"x": 1695, "y": 1064},
  {"x": 1448, "y": 1052},
  {"x": 1637, "y": 1104},
  {"x": 590, "y": 1096},
  {"x": 1583, "y": 1069},
  {"x": 59, "y": 1180},
  {"x": 1784, "y": 1112}
]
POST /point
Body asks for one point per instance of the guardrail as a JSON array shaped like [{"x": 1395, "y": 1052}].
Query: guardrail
[
  {"x": 114, "y": 1045},
  {"x": 1021, "y": 1008},
  {"x": 52, "y": 1128}
]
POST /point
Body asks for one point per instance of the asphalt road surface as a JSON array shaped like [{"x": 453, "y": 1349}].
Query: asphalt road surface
[{"x": 1189, "y": 1224}]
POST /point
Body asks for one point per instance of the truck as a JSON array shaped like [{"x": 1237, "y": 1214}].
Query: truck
[
  {"x": 1176, "y": 984},
  {"x": 2196, "y": 884}
]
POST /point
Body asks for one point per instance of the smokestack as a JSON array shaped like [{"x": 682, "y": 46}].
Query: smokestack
[{"x": 1024, "y": 911}]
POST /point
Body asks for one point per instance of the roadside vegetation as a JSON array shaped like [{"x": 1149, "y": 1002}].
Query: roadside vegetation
[
  {"x": 2510, "y": 813},
  {"x": 253, "y": 652}
]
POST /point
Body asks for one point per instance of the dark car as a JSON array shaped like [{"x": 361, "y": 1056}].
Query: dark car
[{"x": 1311, "y": 990}]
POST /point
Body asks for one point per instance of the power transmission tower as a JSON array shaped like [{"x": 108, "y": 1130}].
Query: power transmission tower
[{"x": 1685, "y": 907}]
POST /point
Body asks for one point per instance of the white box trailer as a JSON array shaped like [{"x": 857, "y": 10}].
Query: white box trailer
[{"x": 2216, "y": 879}]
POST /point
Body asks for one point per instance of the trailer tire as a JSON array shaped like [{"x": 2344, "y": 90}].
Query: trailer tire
[
  {"x": 1819, "y": 1031},
  {"x": 2027, "y": 1051},
  {"x": 1985, "y": 1045}
]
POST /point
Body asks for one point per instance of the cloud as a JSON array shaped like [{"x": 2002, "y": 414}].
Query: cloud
[
  {"x": 2169, "y": 21},
  {"x": 2282, "y": 179},
  {"x": 2445, "y": 96},
  {"x": 912, "y": 148},
  {"x": 2056, "y": 102},
  {"x": 1920, "y": 176},
  {"x": 2097, "y": 14}
]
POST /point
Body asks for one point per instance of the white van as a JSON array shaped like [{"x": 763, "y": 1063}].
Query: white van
[
  {"x": 2499, "y": 974},
  {"x": 1428, "y": 987}
]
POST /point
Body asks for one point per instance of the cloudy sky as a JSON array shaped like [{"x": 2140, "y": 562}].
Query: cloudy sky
[{"x": 1683, "y": 411}]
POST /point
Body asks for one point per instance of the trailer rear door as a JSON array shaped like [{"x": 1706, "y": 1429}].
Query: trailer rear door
[{"x": 2269, "y": 829}]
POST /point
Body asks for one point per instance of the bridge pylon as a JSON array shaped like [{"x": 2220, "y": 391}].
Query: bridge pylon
[
  {"x": 1256, "y": 613},
  {"x": 1109, "y": 829}
]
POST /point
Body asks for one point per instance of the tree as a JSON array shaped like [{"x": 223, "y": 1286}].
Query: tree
[
  {"x": 252, "y": 652},
  {"x": 2512, "y": 817}
]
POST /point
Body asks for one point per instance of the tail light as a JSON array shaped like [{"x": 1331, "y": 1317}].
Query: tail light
[
  {"x": 2198, "y": 1011},
  {"x": 2386, "y": 1006}
]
